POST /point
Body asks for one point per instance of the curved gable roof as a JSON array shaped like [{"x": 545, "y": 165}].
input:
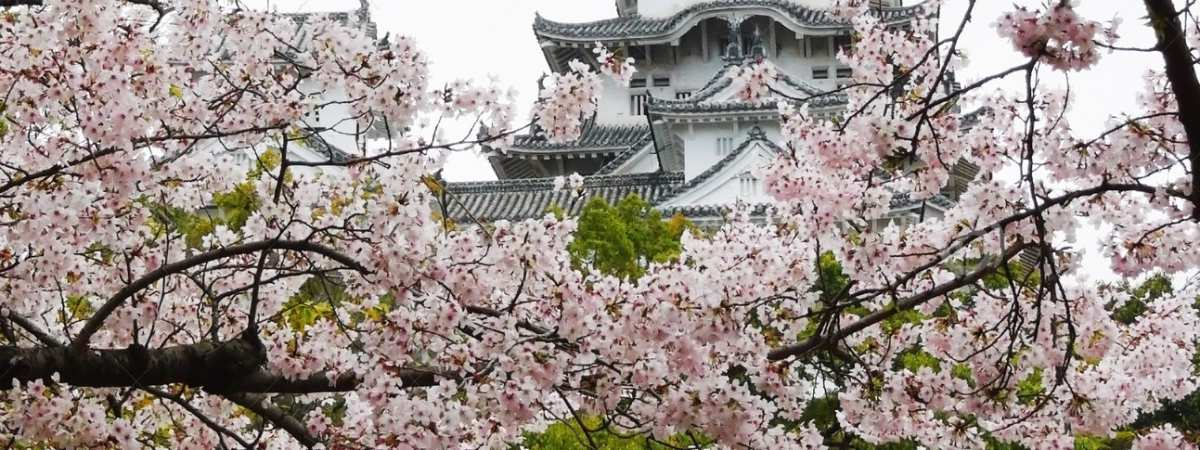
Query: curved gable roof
[
  {"x": 594, "y": 137},
  {"x": 638, "y": 28},
  {"x": 756, "y": 135}
]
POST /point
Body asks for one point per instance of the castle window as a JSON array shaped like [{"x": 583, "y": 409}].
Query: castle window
[
  {"x": 820, "y": 73},
  {"x": 637, "y": 83},
  {"x": 724, "y": 146},
  {"x": 637, "y": 104},
  {"x": 819, "y": 46},
  {"x": 638, "y": 53},
  {"x": 683, "y": 95},
  {"x": 844, "y": 72},
  {"x": 842, "y": 43},
  {"x": 662, "y": 81}
]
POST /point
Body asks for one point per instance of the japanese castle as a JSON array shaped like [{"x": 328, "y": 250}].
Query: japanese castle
[{"x": 676, "y": 135}]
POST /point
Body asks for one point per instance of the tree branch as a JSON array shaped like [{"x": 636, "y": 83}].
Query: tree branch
[
  {"x": 876, "y": 317},
  {"x": 220, "y": 368},
  {"x": 1172, "y": 44},
  {"x": 271, "y": 413},
  {"x": 97, "y": 320},
  {"x": 266, "y": 382},
  {"x": 199, "y": 415},
  {"x": 202, "y": 364}
]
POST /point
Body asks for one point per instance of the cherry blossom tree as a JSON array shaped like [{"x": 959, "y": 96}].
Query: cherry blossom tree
[{"x": 328, "y": 304}]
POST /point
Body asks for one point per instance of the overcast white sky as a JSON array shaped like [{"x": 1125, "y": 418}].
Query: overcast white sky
[{"x": 482, "y": 38}]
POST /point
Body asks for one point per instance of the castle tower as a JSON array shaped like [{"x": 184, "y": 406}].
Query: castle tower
[{"x": 677, "y": 135}]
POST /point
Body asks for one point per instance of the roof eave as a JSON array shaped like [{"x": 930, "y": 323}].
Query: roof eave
[{"x": 689, "y": 20}]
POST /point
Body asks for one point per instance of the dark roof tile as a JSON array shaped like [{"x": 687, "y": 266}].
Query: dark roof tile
[
  {"x": 594, "y": 137},
  {"x": 532, "y": 197}
]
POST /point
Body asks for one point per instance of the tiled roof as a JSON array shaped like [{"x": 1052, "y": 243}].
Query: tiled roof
[
  {"x": 905, "y": 200},
  {"x": 975, "y": 117},
  {"x": 708, "y": 211},
  {"x": 532, "y": 197},
  {"x": 318, "y": 144},
  {"x": 595, "y": 137},
  {"x": 800, "y": 85},
  {"x": 635, "y": 26},
  {"x": 621, "y": 159}
]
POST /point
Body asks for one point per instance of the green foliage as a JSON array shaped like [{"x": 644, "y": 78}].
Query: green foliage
[
  {"x": 893, "y": 324},
  {"x": 568, "y": 435},
  {"x": 237, "y": 205},
  {"x": 557, "y": 211},
  {"x": 831, "y": 279},
  {"x": 3, "y": 121},
  {"x": 1141, "y": 296},
  {"x": 623, "y": 240},
  {"x": 821, "y": 413},
  {"x": 963, "y": 372},
  {"x": 79, "y": 307},
  {"x": 230, "y": 209},
  {"x": 915, "y": 359},
  {"x": 1123, "y": 441},
  {"x": 314, "y": 301},
  {"x": 1030, "y": 387},
  {"x": 1019, "y": 273}
]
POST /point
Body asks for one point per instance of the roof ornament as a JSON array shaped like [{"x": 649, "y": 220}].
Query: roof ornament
[
  {"x": 758, "y": 134},
  {"x": 758, "y": 49},
  {"x": 733, "y": 51},
  {"x": 365, "y": 20}
]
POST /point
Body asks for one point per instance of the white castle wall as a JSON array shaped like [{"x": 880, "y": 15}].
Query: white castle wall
[
  {"x": 702, "y": 147},
  {"x": 689, "y": 68}
]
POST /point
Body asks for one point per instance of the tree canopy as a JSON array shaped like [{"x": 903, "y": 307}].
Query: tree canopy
[
  {"x": 622, "y": 240},
  {"x": 185, "y": 264}
]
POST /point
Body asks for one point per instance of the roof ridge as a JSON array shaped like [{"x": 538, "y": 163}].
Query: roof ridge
[
  {"x": 593, "y": 135},
  {"x": 538, "y": 184},
  {"x": 640, "y": 26}
]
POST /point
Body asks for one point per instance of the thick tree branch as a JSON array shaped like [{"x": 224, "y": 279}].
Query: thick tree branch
[
  {"x": 203, "y": 364},
  {"x": 266, "y": 382},
  {"x": 1172, "y": 43},
  {"x": 97, "y": 320},
  {"x": 11, "y": 3},
  {"x": 222, "y": 367}
]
